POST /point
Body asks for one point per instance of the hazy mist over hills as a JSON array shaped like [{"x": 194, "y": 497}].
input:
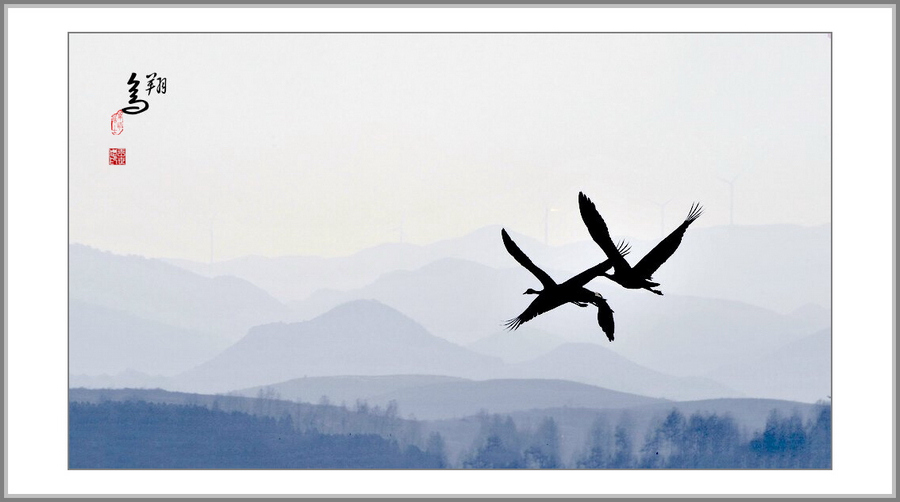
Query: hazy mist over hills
[
  {"x": 293, "y": 278},
  {"x": 448, "y": 399},
  {"x": 432, "y": 397},
  {"x": 464, "y": 301},
  {"x": 517, "y": 346},
  {"x": 420, "y": 312},
  {"x": 346, "y": 389},
  {"x": 743, "y": 329},
  {"x": 365, "y": 337},
  {"x": 805, "y": 363},
  {"x": 740, "y": 263},
  {"x": 153, "y": 290},
  {"x": 597, "y": 365},
  {"x": 107, "y": 341},
  {"x": 362, "y": 337},
  {"x": 690, "y": 335}
]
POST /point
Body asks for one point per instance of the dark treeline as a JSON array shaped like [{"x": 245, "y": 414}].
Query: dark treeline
[
  {"x": 141, "y": 435},
  {"x": 327, "y": 417},
  {"x": 267, "y": 433},
  {"x": 710, "y": 441},
  {"x": 323, "y": 417},
  {"x": 500, "y": 445},
  {"x": 699, "y": 441}
]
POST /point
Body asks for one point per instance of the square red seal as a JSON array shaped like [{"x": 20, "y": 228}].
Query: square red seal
[{"x": 117, "y": 156}]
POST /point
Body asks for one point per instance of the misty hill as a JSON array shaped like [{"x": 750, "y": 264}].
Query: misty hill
[
  {"x": 461, "y": 398},
  {"x": 296, "y": 277},
  {"x": 798, "y": 370},
  {"x": 465, "y": 301},
  {"x": 108, "y": 341},
  {"x": 814, "y": 316},
  {"x": 128, "y": 379},
  {"x": 345, "y": 389},
  {"x": 778, "y": 267},
  {"x": 156, "y": 291},
  {"x": 685, "y": 335},
  {"x": 360, "y": 337},
  {"x": 459, "y": 300},
  {"x": 523, "y": 344},
  {"x": 597, "y": 365},
  {"x": 433, "y": 397}
]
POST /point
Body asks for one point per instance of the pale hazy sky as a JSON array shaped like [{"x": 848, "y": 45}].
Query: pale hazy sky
[{"x": 326, "y": 144}]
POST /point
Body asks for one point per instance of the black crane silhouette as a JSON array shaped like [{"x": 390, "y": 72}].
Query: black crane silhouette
[
  {"x": 571, "y": 291},
  {"x": 637, "y": 277}
]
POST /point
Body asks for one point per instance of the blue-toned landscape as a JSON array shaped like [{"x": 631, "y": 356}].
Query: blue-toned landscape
[
  {"x": 349, "y": 380},
  {"x": 440, "y": 250}
]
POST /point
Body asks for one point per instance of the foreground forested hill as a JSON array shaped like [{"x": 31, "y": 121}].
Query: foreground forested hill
[
  {"x": 142, "y": 435},
  {"x": 139, "y": 429}
]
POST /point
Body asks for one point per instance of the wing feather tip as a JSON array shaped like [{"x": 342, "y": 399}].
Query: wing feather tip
[
  {"x": 512, "y": 324},
  {"x": 695, "y": 212}
]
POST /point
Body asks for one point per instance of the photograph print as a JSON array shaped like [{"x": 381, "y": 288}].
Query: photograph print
[{"x": 449, "y": 251}]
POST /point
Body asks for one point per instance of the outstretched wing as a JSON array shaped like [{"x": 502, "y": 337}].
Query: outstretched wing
[
  {"x": 585, "y": 277},
  {"x": 526, "y": 262},
  {"x": 666, "y": 247},
  {"x": 599, "y": 231},
  {"x": 605, "y": 318},
  {"x": 530, "y": 313}
]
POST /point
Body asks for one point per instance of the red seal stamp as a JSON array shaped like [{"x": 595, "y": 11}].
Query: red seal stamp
[
  {"x": 117, "y": 122},
  {"x": 117, "y": 156}
]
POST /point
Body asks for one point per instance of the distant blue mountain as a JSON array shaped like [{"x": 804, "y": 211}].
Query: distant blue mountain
[
  {"x": 345, "y": 388},
  {"x": 798, "y": 370},
  {"x": 108, "y": 341},
  {"x": 155, "y": 291},
  {"x": 361, "y": 337},
  {"x": 597, "y": 365},
  {"x": 778, "y": 267},
  {"x": 462, "y": 398},
  {"x": 292, "y": 278},
  {"x": 438, "y": 397},
  {"x": 465, "y": 302}
]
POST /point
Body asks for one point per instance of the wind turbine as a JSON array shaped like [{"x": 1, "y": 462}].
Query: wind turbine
[
  {"x": 731, "y": 191},
  {"x": 662, "y": 215}
]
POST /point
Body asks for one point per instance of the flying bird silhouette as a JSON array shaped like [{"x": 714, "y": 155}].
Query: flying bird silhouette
[
  {"x": 637, "y": 277},
  {"x": 571, "y": 291}
]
